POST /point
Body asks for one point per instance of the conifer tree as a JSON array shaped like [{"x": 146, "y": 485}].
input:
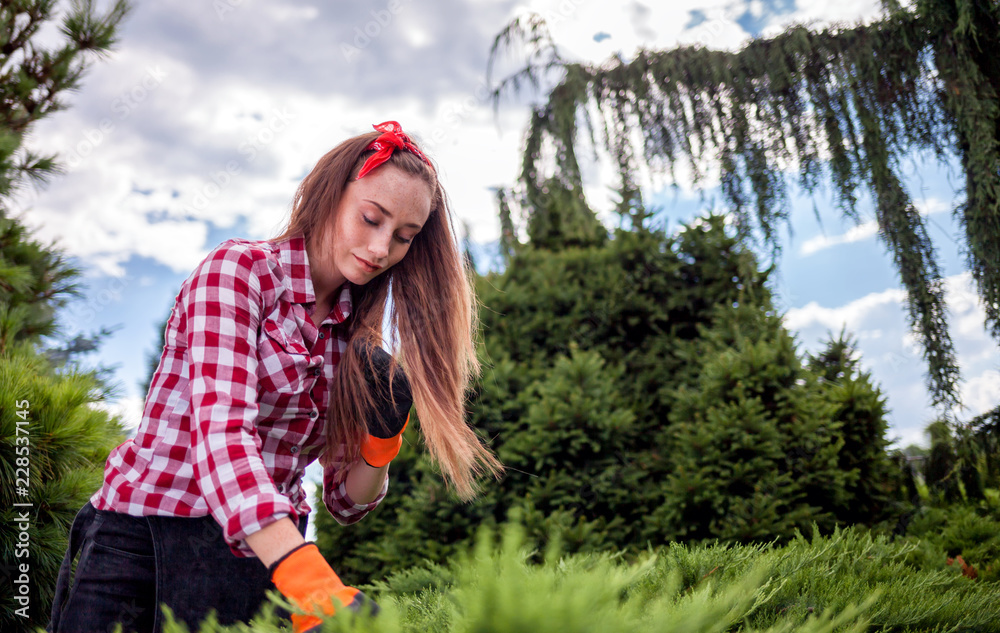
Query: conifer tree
[
  {"x": 755, "y": 445},
  {"x": 985, "y": 431},
  {"x": 941, "y": 466},
  {"x": 49, "y": 425},
  {"x": 843, "y": 105},
  {"x": 611, "y": 376},
  {"x": 875, "y": 482},
  {"x": 153, "y": 355}
]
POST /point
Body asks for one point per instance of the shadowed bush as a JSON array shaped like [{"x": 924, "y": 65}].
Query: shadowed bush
[{"x": 848, "y": 582}]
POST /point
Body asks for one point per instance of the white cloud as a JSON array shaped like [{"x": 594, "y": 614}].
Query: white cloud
[
  {"x": 851, "y": 315},
  {"x": 820, "y": 13},
  {"x": 719, "y": 31},
  {"x": 865, "y": 230},
  {"x": 895, "y": 358},
  {"x": 854, "y": 234},
  {"x": 181, "y": 114},
  {"x": 906, "y": 437},
  {"x": 289, "y": 13},
  {"x": 930, "y": 206},
  {"x": 982, "y": 393},
  {"x": 106, "y": 229}
]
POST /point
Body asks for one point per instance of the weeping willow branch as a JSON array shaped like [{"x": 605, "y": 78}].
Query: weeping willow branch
[{"x": 840, "y": 106}]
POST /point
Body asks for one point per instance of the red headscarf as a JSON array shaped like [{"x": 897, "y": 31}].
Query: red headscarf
[{"x": 392, "y": 138}]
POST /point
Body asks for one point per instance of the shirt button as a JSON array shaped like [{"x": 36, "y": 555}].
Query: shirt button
[
  {"x": 314, "y": 414},
  {"x": 322, "y": 334},
  {"x": 294, "y": 449},
  {"x": 281, "y": 488},
  {"x": 316, "y": 372}
]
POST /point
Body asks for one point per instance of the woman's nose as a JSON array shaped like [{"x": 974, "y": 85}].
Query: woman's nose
[{"x": 379, "y": 247}]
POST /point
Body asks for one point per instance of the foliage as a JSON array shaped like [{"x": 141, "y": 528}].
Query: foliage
[
  {"x": 843, "y": 106},
  {"x": 755, "y": 445},
  {"x": 35, "y": 282},
  {"x": 63, "y": 438},
  {"x": 848, "y": 581},
  {"x": 962, "y": 461},
  {"x": 961, "y": 529},
  {"x": 940, "y": 472},
  {"x": 68, "y": 440},
  {"x": 33, "y": 79},
  {"x": 880, "y": 480},
  {"x": 846, "y": 567},
  {"x": 982, "y": 446},
  {"x": 620, "y": 376},
  {"x": 153, "y": 356}
]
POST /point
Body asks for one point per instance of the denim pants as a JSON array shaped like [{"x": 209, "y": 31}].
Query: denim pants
[{"x": 129, "y": 565}]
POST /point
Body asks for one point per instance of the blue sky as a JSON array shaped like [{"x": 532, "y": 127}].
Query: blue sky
[{"x": 202, "y": 123}]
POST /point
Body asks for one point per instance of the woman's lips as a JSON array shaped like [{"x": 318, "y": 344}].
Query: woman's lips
[{"x": 367, "y": 265}]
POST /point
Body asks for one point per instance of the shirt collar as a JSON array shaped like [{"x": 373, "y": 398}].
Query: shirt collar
[{"x": 295, "y": 262}]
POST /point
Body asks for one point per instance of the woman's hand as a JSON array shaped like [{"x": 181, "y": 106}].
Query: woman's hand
[
  {"x": 391, "y": 413},
  {"x": 306, "y": 579}
]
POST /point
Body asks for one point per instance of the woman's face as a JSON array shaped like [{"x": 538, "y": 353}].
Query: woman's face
[{"x": 377, "y": 219}]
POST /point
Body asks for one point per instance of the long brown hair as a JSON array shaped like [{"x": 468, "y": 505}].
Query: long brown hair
[{"x": 433, "y": 319}]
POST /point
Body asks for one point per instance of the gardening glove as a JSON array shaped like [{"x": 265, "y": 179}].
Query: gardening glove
[
  {"x": 392, "y": 408},
  {"x": 304, "y": 577}
]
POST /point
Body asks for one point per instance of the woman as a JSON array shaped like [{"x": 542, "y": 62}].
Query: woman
[{"x": 204, "y": 509}]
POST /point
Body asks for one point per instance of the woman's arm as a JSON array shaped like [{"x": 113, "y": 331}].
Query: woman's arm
[
  {"x": 275, "y": 540},
  {"x": 221, "y": 307},
  {"x": 364, "y": 482},
  {"x": 270, "y": 543}
]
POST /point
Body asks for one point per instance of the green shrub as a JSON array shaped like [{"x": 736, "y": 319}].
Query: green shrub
[
  {"x": 754, "y": 445},
  {"x": 825, "y": 573},
  {"x": 972, "y": 532},
  {"x": 68, "y": 441},
  {"x": 876, "y": 483},
  {"x": 640, "y": 390},
  {"x": 848, "y": 582}
]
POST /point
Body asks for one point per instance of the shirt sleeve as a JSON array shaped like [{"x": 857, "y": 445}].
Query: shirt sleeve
[
  {"x": 222, "y": 304},
  {"x": 340, "y": 505}
]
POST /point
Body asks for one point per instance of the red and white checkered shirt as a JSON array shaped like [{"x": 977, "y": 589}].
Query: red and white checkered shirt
[{"x": 235, "y": 410}]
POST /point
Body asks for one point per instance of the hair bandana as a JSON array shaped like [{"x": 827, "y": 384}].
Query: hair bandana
[{"x": 392, "y": 138}]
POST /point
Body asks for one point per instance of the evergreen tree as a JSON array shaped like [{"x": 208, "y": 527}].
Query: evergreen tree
[
  {"x": 875, "y": 481},
  {"x": 153, "y": 355},
  {"x": 616, "y": 375},
  {"x": 35, "y": 281},
  {"x": 940, "y": 467},
  {"x": 53, "y": 440},
  {"x": 570, "y": 441},
  {"x": 958, "y": 463},
  {"x": 845, "y": 105},
  {"x": 53, "y": 445},
  {"x": 985, "y": 431},
  {"x": 754, "y": 444}
]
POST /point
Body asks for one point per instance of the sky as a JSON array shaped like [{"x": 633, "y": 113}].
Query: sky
[{"x": 202, "y": 122}]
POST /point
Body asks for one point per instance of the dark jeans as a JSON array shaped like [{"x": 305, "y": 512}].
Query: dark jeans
[{"x": 129, "y": 565}]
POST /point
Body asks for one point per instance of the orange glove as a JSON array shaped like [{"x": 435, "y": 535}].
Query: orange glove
[
  {"x": 392, "y": 407},
  {"x": 379, "y": 451},
  {"x": 304, "y": 577}
]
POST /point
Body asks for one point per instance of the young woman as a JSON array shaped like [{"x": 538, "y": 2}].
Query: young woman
[{"x": 273, "y": 358}]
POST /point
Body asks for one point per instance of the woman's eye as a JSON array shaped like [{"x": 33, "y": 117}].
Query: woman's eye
[
  {"x": 403, "y": 240},
  {"x": 369, "y": 221}
]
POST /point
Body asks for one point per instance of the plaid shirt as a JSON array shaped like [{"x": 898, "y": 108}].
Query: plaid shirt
[{"x": 236, "y": 407}]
